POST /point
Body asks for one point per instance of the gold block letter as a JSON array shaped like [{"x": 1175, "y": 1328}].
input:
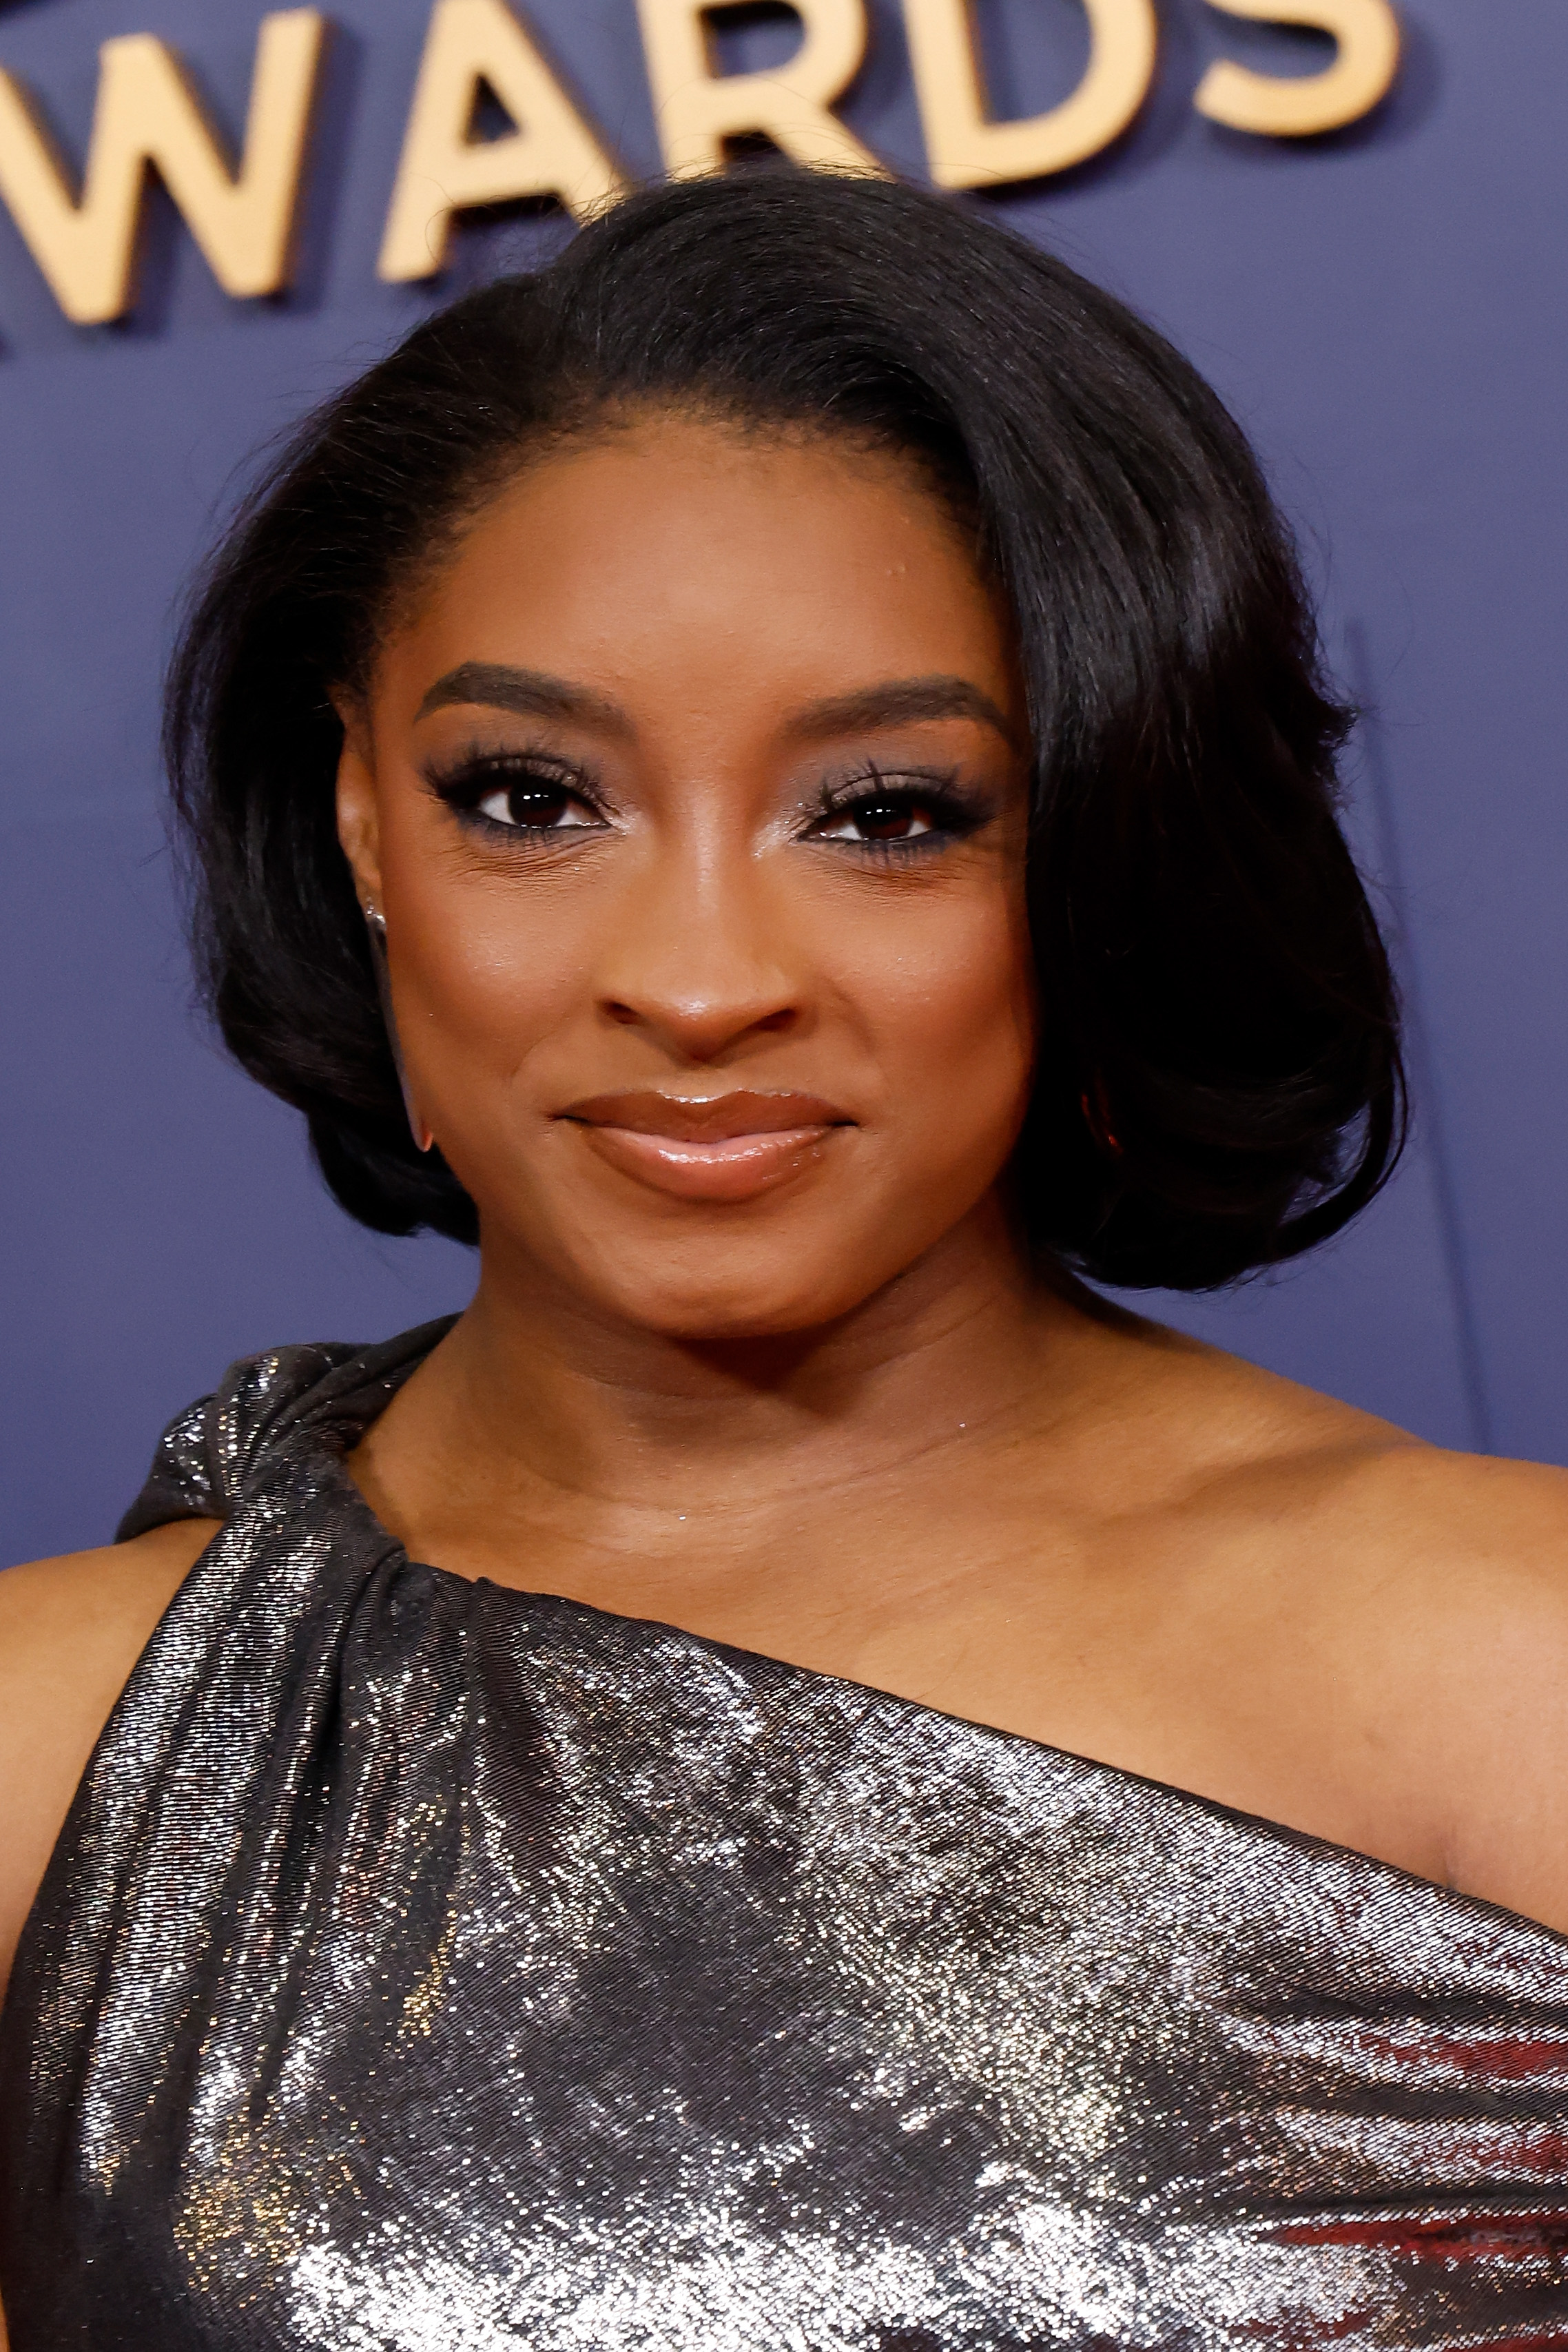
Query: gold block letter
[
  {"x": 146, "y": 113},
  {"x": 968, "y": 150},
  {"x": 699, "y": 108},
  {"x": 443, "y": 170},
  {"x": 1368, "y": 33}
]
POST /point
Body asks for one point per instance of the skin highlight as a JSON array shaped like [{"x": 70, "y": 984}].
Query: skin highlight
[
  {"x": 706, "y": 928},
  {"x": 734, "y": 1067}
]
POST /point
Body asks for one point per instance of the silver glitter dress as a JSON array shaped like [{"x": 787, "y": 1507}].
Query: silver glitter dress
[{"x": 430, "y": 1966}]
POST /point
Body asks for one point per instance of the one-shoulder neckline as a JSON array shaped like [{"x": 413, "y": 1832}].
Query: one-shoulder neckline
[{"x": 394, "y": 1552}]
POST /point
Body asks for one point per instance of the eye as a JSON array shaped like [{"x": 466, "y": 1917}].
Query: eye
[
  {"x": 910, "y": 813},
  {"x": 535, "y": 805},
  {"x": 881, "y": 816}
]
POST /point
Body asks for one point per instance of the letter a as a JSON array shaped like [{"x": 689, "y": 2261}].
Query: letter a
[
  {"x": 552, "y": 151},
  {"x": 698, "y": 108},
  {"x": 146, "y": 113},
  {"x": 1367, "y": 32},
  {"x": 966, "y": 149}
]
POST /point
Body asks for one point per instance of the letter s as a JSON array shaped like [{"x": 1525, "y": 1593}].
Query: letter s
[{"x": 1367, "y": 32}]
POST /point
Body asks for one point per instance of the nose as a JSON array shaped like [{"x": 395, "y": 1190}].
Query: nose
[{"x": 699, "y": 958}]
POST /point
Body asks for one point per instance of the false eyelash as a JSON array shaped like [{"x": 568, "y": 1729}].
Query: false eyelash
[
  {"x": 464, "y": 782},
  {"x": 467, "y": 779},
  {"x": 958, "y": 813}
]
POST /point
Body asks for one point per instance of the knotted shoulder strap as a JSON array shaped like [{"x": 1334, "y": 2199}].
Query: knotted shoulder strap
[{"x": 323, "y": 1393}]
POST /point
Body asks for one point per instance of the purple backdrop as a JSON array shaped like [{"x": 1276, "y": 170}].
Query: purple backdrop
[{"x": 1383, "y": 308}]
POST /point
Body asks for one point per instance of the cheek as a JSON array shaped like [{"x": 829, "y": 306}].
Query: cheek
[
  {"x": 949, "y": 1005},
  {"x": 485, "y": 979}
]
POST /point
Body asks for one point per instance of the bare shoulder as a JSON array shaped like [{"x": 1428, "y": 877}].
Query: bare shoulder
[
  {"x": 1414, "y": 1533},
  {"x": 71, "y": 1632},
  {"x": 1440, "y": 1564},
  {"x": 1459, "y": 1528},
  {"x": 1419, "y": 1598},
  {"x": 1460, "y": 1570},
  {"x": 1383, "y": 1624}
]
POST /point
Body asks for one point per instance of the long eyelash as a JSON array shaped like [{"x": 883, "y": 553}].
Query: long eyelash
[
  {"x": 466, "y": 780},
  {"x": 958, "y": 812}
]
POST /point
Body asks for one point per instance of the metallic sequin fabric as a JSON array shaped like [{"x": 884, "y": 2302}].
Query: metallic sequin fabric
[{"x": 427, "y": 1967}]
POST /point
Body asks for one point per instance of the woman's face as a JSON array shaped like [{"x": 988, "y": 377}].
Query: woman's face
[{"x": 693, "y": 792}]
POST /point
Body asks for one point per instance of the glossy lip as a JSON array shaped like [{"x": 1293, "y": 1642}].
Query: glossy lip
[{"x": 722, "y": 1146}]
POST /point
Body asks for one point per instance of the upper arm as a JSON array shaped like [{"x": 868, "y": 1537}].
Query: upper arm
[
  {"x": 1486, "y": 1620},
  {"x": 71, "y": 1632}
]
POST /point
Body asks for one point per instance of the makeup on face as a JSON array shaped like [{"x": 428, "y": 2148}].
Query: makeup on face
[
  {"x": 730, "y": 1145},
  {"x": 702, "y": 846}
]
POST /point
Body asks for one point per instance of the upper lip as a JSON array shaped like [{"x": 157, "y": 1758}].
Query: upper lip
[{"x": 706, "y": 1119}]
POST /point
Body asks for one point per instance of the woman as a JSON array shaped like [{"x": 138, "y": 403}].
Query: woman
[{"x": 774, "y": 775}]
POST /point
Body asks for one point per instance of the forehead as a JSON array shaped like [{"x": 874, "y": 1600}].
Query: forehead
[{"x": 688, "y": 558}]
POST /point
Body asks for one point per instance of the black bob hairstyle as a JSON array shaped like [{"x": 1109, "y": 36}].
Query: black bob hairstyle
[{"x": 1219, "y": 1083}]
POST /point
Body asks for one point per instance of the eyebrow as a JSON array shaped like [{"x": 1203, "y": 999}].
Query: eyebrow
[
  {"x": 534, "y": 694},
  {"x": 530, "y": 693},
  {"x": 897, "y": 701}
]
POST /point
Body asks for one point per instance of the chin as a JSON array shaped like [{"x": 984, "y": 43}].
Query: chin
[{"x": 715, "y": 1313}]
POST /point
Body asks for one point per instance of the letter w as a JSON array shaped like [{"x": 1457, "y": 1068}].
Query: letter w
[{"x": 147, "y": 113}]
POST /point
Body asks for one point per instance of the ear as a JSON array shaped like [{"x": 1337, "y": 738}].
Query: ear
[{"x": 359, "y": 810}]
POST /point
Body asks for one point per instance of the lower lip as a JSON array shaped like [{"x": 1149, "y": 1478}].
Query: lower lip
[{"x": 736, "y": 1169}]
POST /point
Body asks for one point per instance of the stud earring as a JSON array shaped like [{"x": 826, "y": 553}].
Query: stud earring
[{"x": 376, "y": 924}]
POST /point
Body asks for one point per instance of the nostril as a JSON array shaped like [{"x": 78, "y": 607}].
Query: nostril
[{"x": 701, "y": 1024}]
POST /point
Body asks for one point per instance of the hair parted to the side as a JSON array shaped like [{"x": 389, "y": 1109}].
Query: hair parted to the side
[{"x": 1219, "y": 1083}]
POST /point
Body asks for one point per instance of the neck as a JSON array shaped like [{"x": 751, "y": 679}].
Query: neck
[{"x": 533, "y": 1388}]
